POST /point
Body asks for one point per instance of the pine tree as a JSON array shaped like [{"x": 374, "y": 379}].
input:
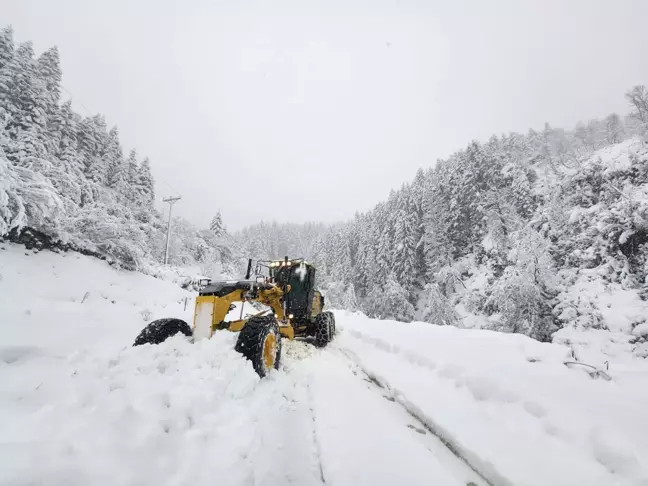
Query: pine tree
[
  {"x": 385, "y": 240},
  {"x": 49, "y": 71},
  {"x": 117, "y": 170},
  {"x": 405, "y": 241},
  {"x": 8, "y": 77},
  {"x": 133, "y": 168},
  {"x": 92, "y": 142},
  {"x": 22, "y": 96},
  {"x": 27, "y": 199},
  {"x": 216, "y": 226},
  {"x": 6, "y": 47},
  {"x": 437, "y": 309},
  {"x": 145, "y": 184},
  {"x": 350, "y": 300}
]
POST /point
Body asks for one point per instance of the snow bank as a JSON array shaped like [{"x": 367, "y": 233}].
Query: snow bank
[
  {"x": 508, "y": 403},
  {"x": 57, "y": 303}
]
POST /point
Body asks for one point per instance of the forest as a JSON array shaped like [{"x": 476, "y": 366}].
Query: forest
[{"x": 499, "y": 229}]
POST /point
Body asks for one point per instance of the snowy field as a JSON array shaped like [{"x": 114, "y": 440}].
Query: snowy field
[{"x": 386, "y": 403}]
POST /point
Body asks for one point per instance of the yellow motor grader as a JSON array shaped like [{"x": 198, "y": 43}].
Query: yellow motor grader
[{"x": 290, "y": 307}]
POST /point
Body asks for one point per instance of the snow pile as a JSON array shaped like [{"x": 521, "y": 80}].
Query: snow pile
[{"x": 508, "y": 404}]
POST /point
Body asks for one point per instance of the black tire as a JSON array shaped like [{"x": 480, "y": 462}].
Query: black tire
[
  {"x": 162, "y": 329},
  {"x": 255, "y": 342},
  {"x": 324, "y": 323},
  {"x": 333, "y": 328}
]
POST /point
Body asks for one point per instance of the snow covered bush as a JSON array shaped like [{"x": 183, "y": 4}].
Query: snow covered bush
[
  {"x": 436, "y": 307},
  {"x": 390, "y": 302},
  {"x": 334, "y": 293},
  {"x": 27, "y": 199},
  {"x": 350, "y": 301},
  {"x": 111, "y": 232},
  {"x": 523, "y": 295}
]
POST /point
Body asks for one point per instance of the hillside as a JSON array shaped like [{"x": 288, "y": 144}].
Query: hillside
[
  {"x": 455, "y": 406},
  {"x": 66, "y": 183},
  {"x": 524, "y": 234}
]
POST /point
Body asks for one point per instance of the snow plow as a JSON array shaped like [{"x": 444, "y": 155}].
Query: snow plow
[{"x": 287, "y": 303}]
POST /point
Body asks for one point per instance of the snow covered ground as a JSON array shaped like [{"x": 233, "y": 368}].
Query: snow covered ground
[
  {"x": 386, "y": 403},
  {"x": 509, "y": 404}
]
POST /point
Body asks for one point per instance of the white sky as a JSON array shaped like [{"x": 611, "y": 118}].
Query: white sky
[{"x": 310, "y": 110}]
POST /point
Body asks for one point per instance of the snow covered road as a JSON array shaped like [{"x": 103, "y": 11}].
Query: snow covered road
[
  {"x": 385, "y": 403},
  {"x": 183, "y": 413}
]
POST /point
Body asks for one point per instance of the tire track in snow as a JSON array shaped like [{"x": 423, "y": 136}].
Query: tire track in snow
[
  {"x": 367, "y": 439},
  {"x": 295, "y": 366},
  {"x": 318, "y": 447},
  {"x": 489, "y": 477}
]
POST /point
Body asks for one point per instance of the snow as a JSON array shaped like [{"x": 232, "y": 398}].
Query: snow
[
  {"x": 616, "y": 158},
  {"x": 519, "y": 415},
  {"x": 79, "y": 405},
  {"x": 385, "y": 403},
  {"x": 620, "y": 311},
  {"x": 641, "y": 330}
]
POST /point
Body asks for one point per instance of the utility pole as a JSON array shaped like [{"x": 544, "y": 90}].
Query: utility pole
[{"x": 171, "y": 201}]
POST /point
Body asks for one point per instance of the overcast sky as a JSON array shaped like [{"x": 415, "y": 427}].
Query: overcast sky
[{"x": 311, "y": 110}]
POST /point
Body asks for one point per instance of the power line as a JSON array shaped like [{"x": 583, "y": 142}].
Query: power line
[
  {"x": 89, "y": 113},
  {"x": 72, "y": 97},
  {"x": 169, "y": 185}
]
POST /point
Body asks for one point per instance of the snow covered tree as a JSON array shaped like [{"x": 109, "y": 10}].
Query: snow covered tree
[
  {"x": 437, "y": 308},
  {"x": 27, "y": 199},
  {"x": 613, "y": 128},
  {"x": 216, "y": 226},
  {"x": 22, "y": 96},
  {"x": 92, "y": 142},
  {"x": 638, "y": 99},
  {"x": 522, "y": 295},
  {"x": 6, "y": 46},
  {"x": 405, "y": 240},
  {"x": 389, "y": 302},
  {"x": 144, "y": 184},
  {"x": 117, "y": 169},
  {"x": 350, "y": 302}
]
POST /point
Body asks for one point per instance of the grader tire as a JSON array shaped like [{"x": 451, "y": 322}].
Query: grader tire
[
  {"x": 324, "y": 328},
  {"x": 162, "y": 329},
  {"x": 260, "y": 342}
]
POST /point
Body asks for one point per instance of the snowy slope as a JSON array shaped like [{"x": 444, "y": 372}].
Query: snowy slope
[{"x": 386, "y": 403}]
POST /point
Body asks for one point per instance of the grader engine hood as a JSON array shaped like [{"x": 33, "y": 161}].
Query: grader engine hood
[
  {"x": 215, "y": 299},
  {"x": 221, "y": 289}
]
